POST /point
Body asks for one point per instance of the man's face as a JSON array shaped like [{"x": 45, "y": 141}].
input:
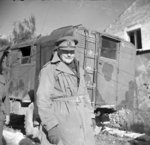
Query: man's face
[{"x": 67, "y": 56}]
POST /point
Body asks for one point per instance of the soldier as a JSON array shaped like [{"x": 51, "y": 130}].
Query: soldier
[
  {"x": 62, "y": 98},
  {"x": 4, "y": 99}
]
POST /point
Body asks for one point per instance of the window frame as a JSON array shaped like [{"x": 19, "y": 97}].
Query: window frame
[
  {"x": 137, "y": 39},
  {"x": 116, "y": 48},
  {"x": 23, "y": 57}
]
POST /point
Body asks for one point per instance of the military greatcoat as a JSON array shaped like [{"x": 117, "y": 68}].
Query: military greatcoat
[{"x": 62, "y": 101}]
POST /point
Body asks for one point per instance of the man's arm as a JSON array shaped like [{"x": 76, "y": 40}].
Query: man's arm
[{"x": 44, "y": 103}]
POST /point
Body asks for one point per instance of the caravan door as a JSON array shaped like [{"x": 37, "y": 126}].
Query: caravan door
[{"x": 107, "y": 72}]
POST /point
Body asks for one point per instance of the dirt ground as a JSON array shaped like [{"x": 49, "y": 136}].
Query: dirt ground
[
  {"x": 102, "y": 138},
  {"x": 123, "y": 120}
]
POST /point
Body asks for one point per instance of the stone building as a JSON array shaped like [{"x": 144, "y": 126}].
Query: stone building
[{"x": 134, "y": 25}]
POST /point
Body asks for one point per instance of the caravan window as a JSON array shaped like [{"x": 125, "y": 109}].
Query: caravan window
[
  {"x": 26, "y": 52},
  {"x": 109, "y": 48}
]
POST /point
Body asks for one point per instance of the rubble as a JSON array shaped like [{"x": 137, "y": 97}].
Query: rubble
[
  {"x": 113, "y": 136},
  {"x": 122, "y": 133},
  {"x": 124, "y": 127}
]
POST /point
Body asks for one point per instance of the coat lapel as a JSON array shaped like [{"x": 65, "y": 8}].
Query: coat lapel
[{"x": 64, "y": 68}]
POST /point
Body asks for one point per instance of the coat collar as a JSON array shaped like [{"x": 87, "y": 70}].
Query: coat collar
[
  {"x": 55, "y": 58},
  {"x": 61, "y": 66}
]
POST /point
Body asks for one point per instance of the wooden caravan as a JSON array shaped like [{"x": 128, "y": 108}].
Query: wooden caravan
[{"x": 108, "y": 62}]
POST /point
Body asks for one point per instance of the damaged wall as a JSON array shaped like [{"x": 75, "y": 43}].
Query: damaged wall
[{"x": 137, "y": 16}]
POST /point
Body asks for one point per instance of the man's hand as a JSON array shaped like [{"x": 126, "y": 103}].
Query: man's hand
[
  {"x": 7, "y": 119},
  {"x": 53, "y": 135}
]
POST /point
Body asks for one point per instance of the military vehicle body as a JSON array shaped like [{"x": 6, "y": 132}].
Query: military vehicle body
[
  {"x": 108, "y": 61},
  {"x": 20, "y": 75}
]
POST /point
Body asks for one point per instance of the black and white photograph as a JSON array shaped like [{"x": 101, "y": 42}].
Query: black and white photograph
[{"x": 74, "y": 72}]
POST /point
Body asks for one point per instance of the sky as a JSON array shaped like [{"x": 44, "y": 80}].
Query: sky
[{"x": 53, "y": 14}]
